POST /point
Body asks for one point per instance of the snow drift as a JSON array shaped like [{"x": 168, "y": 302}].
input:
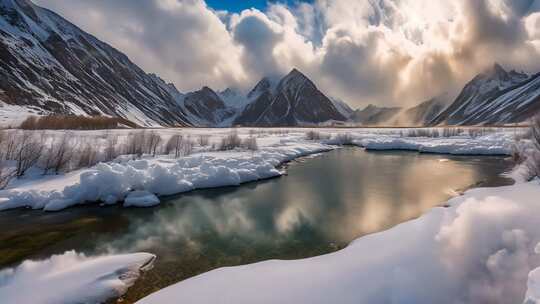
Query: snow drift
[{"x": 72, "y": 278}]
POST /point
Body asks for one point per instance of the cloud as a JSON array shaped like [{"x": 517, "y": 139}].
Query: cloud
[{"x": 387, "y": 52}]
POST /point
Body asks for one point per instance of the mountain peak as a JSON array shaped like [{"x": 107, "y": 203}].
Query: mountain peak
[
  {"x": 295, "y": 73},
  {"x": 498, "y": 69}
]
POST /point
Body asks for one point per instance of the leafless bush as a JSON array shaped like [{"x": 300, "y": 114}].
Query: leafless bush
[
  {"x": 315, "y": 135},
  {"x": 451, "y": 132},
  {"x": 203, "y": 140},
  {"x": 59, "y": 154},
  {"x": 479, "y": 132},
  {"x": 28, "y": 149},
  {"x": 230, "y": 142},
  {"x": 111, "y": 152},
  {"x": 178, "y": 145},
  {"x": 250, "y": 143},
  {"x": 432, "y": 133},
  {"x": 135, "y": 143},
  {"x": 344, "y": 139},
  {"x": 153, "y": 141},
  {"x": 6, "y": 174},
  {"x": 88, "y": 155}
]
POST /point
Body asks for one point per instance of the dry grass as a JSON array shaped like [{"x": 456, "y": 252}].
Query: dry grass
[{"x": 72, "y": 122}]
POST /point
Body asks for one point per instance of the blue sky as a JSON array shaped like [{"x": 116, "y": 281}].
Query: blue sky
[{"x": 239, "y": 5}]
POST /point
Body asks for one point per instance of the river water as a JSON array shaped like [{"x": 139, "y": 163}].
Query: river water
[{"x": 322, "y": 204}]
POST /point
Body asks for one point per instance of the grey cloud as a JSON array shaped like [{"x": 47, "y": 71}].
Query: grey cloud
[
  {"x": 378, "y": 51},
  {"x": 258, "y": 41}
]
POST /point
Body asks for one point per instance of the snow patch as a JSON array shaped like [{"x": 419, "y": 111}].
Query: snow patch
[{"x": 72, "y": 278}]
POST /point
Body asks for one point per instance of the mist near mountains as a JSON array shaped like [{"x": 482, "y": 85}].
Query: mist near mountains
[{"x": 385, "y": 52}]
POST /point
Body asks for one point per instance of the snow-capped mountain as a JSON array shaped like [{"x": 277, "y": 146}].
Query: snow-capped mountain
[
  {"x": 51, "y": 65},
  {"x": 206, "y": 108},
  {"x": 373, "y": 115},
  {"x": 494, "y": 97},
  {"x": 293, "y": 101},
  {"x": 233, "y": 98},
  {"x": 342, "y": 107}
]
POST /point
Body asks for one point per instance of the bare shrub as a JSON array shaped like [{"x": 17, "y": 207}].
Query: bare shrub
[
  {"x": 479, "y": 132},
  {"x": 451, "y": 132},
  {"x": 153, "y": 141},
  {"x": 432, "y": 133},
  {"x": 111, "y": 152},
  {"x": 315, "y": 135},
  {"x": 28, "y": 150},
  {"x": 135, "y": 143},
  {"x": 250, "y": 143},
  {"x": 59, "y": 154},
  {"x": 203, "y": 140},
  {"x": 88, "y": 155},
  {"x": 6, "y": 174},
  {"x": 230, "y": 142},
  {"x": 179, "y": 145},
  {"x": 344, "y": 139}
]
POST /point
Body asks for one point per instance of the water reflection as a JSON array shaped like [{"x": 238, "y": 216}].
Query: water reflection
[
  {"x": 322, "y": 205},
  {"x": 328, "y": 201}
]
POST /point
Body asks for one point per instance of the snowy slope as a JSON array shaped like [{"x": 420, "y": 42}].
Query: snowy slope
[
  {"x": 373, "y": 115},
  {"x": 494, "y": 97},
  {"x": 424, "y": 113},
  {"x": 294, "y": 101},
  {"x": 51, "y": 65}
]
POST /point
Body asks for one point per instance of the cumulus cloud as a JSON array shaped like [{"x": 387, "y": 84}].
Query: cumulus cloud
[{"x": 387, "y": 52}]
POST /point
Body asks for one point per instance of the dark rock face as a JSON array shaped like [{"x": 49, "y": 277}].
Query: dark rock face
[
  {"x": 494, "y": 97},
  {"x": 48, "y": 63},
  {"x": 294, "y": 101},
  {"x": 206, "y": 108}
]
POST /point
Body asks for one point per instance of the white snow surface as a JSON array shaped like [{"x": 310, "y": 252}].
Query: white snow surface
[
  {"x": 72, "y": 278},
  {"x": 479, "y": 250},
  {"x": 113, "y": 182},
  {"x": 492, "y": 144},
  {"x": 141, "y": 199}
]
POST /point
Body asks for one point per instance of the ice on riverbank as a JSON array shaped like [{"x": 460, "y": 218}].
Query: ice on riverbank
[
  {"x": 72, "y": 278},
  {"x": 479, "y": 250}
]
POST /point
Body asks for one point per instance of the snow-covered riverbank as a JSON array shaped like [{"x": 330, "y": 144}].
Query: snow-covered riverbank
[
  {"x": 150, "y": 177},
  {"x": 72, "y": 278},
  {"x": 481, "y": 249}
]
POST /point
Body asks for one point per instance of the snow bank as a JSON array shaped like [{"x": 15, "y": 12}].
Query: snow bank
[
  {"x": 110, "y": 183},
  {"x": 72, "y": 278},
  {"x": 141, "y": 199},
  {"x": 479, "y": 250},
  {"x": 493, "y": 144}
]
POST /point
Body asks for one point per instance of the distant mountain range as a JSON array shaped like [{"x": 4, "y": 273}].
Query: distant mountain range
[{"x": 50, "y": 66}]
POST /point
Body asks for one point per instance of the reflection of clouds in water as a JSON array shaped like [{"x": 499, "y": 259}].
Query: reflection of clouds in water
[
  {"x": 334, "y": 198},
  {"x": 184, "y": 222}
]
